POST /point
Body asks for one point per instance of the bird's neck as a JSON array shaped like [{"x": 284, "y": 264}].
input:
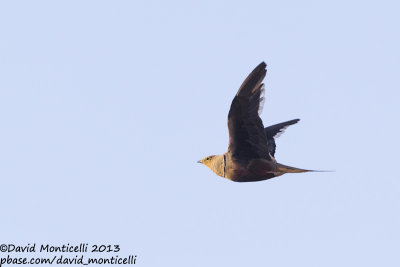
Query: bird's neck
[{"x": 218, "y": 165}]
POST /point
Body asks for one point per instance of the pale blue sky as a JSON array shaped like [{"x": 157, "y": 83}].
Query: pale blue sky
[{"x": 105, "y": 107}]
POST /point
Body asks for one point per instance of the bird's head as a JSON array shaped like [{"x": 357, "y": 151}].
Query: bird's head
[
  {"x": 207, "y": 160},
  {"x": 216, "y": 163}
]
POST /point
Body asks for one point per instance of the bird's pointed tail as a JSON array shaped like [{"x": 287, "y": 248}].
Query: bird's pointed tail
[{"x": 288, "y": 169}]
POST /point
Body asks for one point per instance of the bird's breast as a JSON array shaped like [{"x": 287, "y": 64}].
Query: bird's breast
[{"x": 253, "y": 170}]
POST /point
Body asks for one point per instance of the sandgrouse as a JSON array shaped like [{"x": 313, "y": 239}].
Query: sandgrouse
[{"x": 251, "y": 150}]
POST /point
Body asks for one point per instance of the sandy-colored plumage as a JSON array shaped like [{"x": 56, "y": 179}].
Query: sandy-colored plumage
[{"x": 251, "y": 150}]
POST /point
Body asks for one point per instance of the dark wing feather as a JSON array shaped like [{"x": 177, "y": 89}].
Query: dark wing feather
[
  {"x": 274, "y": 131},
  {"x": 247, "y": 139}
]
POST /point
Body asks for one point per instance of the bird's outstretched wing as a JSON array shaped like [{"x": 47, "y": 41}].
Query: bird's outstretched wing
[
  {"x": 274, "y": 131},
  {"x": 247, "y": 138}
]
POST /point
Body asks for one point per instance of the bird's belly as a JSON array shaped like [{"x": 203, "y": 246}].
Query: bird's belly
[{"x": 255, "y": 170}]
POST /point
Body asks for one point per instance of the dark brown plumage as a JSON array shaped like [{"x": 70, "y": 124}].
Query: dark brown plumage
[{"x": 251, "y": 150}]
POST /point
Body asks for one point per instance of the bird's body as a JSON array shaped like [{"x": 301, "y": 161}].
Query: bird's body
[
  {"x": 251, "y": 150},
  {"x": 250, "y": 171}
]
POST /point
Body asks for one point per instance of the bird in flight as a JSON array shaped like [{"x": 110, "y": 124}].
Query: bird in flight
[{"x": 251, "y": 150}]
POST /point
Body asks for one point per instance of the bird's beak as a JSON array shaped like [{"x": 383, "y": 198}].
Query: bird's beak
[{"x": 199, "y": 161}]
